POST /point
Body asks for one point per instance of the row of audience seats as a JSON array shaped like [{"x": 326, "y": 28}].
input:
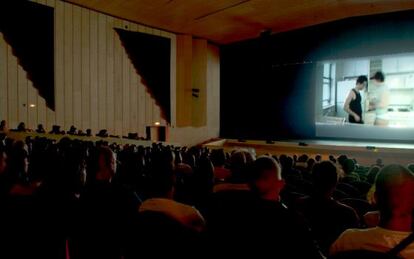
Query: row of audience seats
[{"x": 80, "y": 199}]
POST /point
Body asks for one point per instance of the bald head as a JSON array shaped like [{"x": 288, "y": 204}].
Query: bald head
[
  {"x": 266, "y": 178},
  {"x": 394, "y": 192}
]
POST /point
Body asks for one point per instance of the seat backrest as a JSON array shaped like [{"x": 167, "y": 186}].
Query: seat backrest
[{"x": 361, "y": 206}]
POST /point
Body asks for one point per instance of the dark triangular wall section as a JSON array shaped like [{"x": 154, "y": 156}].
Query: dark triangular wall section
[
  {"x": 29, "y": 29},
  {"x": 150, "y": 55}
]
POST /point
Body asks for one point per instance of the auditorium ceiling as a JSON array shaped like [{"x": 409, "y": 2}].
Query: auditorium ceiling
[{"x": 226, "y": 21}]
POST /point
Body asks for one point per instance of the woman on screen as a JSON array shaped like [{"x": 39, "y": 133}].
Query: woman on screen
[{"x": 353, "y": 102}]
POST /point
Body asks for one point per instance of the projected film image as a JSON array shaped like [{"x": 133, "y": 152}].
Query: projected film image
[{"x": 376, "y": 91}]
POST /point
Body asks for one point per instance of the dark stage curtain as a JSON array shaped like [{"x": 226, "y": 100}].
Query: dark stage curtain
[
  {"x": 150, "y": 56},
  {"x": 29, "y": 29}
]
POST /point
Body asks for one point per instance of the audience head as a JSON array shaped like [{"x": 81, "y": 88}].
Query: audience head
[
  {"x": 394, "y": 192},
  {"x": 40, "y": 128},
  {"x": 19, "y": 161},
  {"x": 3, "y": 161},
  {"x": 286, "y": 164},
  {"x": 21, "y": 127},
  {"x": 75, "y": 167},
  {"x": 311, "y": 162},
  {"x": 162, "y": 183},
  {"x": 183, "y": 171},
  {"x": 348, "y": 166},
  {"x": 218, "y": 157},
  {"x": 72, "y": 130},
  {"x": 178, "y": 157},
  {"x": 55, "y": 129},
  {"x": 342, "y": 159},
  {"x": 250, "y": 157},
  {"x": 204, "y": 175},
  {"x": 238, "y": 162},
  {"x": 183, "y": 181},
  {"x": 325, "y": 178},
  {"x": 303, "y": 158},
  {"x": 372, "y": 174},
  {"x": 266, "y": 178},
  {"x": 106, "y": 164},
  {"x": 379, "y": 163},
  {"x": 318, "y": 158},
  {"x": 3, "y": 125},
  {"x": 332, "y": 159},
  {"x": 189, "y": 159}
]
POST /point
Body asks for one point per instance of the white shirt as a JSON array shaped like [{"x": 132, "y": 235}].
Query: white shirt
[
  {"x": 373, "y": 239},
  {"x": 379, "y": 95}
]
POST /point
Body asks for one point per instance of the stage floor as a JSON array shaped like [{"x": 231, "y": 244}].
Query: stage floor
[
  {"x": 356, "y": 143},
  {"x": 366, "y": 152}
]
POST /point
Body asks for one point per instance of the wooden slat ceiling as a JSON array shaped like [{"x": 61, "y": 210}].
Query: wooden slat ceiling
[{"x": 226, "y": 21}]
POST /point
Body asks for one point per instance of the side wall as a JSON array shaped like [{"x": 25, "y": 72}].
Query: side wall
[{"x": 96, "y": 85}]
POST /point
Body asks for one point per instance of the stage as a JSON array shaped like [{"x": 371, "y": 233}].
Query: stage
[{"x": 365, "y": 152}]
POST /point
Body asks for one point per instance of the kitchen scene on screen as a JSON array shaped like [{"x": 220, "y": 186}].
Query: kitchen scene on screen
[{"x": 337, "y": 78}]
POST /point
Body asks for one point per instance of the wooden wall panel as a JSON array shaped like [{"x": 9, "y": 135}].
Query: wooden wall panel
[
  {"x": 173, "y": 77},
  {"x": 12, "y": 88},
  {"x": 85, "y": 88},
  {"x": 41, "y": 110},
  {"x": 126, "y": 64},
  {"x": 41, "y": 103},
  {"x": 142, "y": 93},
  {"x": 184, "y": 81},
  {"x": 96, "y": 85},
  {"x": 77, "y": 67},
  {"x": 21, "y": 94},
  {"x": 156, "y": 111},
  {"x": 149, "y": 102},
  {"x": 102, "y": 71},
  {"x": 133, "y": 97},
  {"x": 50, "y": 114},
  {"x": 213, "y": 88},
  {"x": 93, "y": 81},
  {"x": 110, "y": 74},
  {"x": 118, "y": 80},
  {"x": 59, "y": 64},
  {"x": 68, "y": 60},
  {"x": 32, "y": 110},
  {"x": 199, "y": 82},
  {"x": 3, "y": 79}
]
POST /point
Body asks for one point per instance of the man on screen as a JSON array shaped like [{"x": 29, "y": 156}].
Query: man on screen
[{"x": 353, "y": 102}]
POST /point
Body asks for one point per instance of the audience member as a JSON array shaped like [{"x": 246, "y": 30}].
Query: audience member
[
  {"x": 327, "y": 217},
  {"x": 221, "y": 173},
  {"x": 109, "y": 210},
  {"x": 40, "y": 129},
  {"x": 394, "y": 196},
  {"x": 72, "y": 130},
  {"x": 266, "y": 225},
  {"x": 3, "y": 126},
  {"x": 84, "y": 199},
  {"x": 21, "y": 127}
]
